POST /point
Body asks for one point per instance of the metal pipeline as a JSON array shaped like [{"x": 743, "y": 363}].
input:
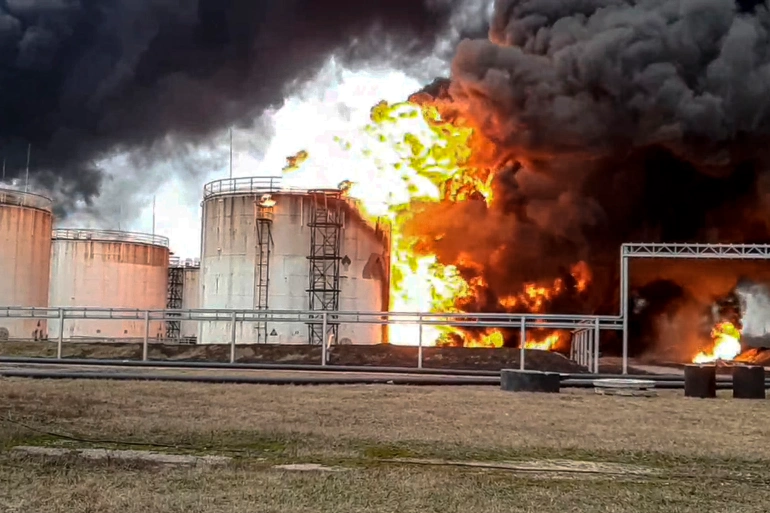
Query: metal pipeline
[
  {"x": 165, "y": 364},
  {"x": 344, "y": 380},
  {"x": 299, "y": 380}
]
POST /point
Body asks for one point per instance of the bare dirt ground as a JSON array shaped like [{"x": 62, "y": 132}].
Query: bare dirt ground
[
  {"x": 379, "y": 449},
  {"x": 376, "y": 355}
]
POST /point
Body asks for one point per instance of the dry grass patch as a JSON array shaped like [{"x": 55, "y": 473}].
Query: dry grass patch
[
  {"x": 464, "y": 418},
  {"x": 57, "y": 488},
  {"x": 507, "y": 451}
]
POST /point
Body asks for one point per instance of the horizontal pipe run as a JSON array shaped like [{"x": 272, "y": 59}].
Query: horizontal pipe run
[
  {"x": 161, "y": 364},
  {"x": 181, "y": 364},
  {"x": 392, "y": 380},
  {"x": 299, "y": 380},
  {"x": 351, "y": 369}
]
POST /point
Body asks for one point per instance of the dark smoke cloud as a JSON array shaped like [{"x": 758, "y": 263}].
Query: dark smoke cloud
[
  {"x": 618, "y": 121},
  {"x": 86, "y": 79}
]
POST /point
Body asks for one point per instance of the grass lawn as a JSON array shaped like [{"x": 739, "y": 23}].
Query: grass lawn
[{"x": 381, "y": 449}]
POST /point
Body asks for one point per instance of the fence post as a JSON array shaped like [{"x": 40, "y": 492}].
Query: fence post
[
  {"x": 597, "y": 338},
  {"x": 324, "y": 325},
  {"x": 145, "y": 342},
  {"x": 522, "y": 342},
  {"x": 232, "y": 338},
  {"x": 60, "y": 339},
  {"x": 419, "y": 343}
]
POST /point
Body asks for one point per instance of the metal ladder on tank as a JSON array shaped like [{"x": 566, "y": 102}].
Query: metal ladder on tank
[{"x": 264, "y": 224}]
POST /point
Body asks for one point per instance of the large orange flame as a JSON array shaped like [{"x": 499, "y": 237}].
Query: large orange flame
[
  {"x": 726, "y": 344},
  {"x": 419, "y": 157}
]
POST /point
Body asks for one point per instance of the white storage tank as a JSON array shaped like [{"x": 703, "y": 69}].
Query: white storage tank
[
  {"x": 25, "y": 256},
  {"x": 108, "y": 269},
  {"x": 266, "y": 247},
  {"x": 183, "y": 294}
]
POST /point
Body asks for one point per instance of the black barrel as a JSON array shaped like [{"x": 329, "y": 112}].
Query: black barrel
[
  {"x": 700, "y": 381},
  {"x": 749, "y": 382},
  {"x": 530, "y": 381}
]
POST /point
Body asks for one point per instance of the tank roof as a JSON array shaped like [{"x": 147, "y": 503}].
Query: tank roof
[
  {"x": 25, "y": 199},
  {"x": 254, "y": 185},
  {"x": 109, "y": 236}
]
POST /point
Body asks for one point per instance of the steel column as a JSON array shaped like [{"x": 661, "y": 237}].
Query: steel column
[
  {"x": 232, "y": 338},
  {"x": 60, "y": 340},
  {"x": 624, "y": 306},
  {"x": 522, "y": 342},
  {"x": 419, "y": 344},
  {"x": 145, "y": 342}
]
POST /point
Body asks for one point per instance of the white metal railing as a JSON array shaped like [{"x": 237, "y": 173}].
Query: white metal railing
[
  {"x": 186, "y": 262},
  {"x": 576, "y": 323},
  {"x": 245, "y": 185},
  {"x": 109, "y": 236},
  {"x": 25, "y": 199}
]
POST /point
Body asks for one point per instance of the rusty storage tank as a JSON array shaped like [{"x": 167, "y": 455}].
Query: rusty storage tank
[
  {"x": 25, "y": 255},
  {"x": 268, "y": 247},
  {"x": 183, "y": 294},
  {"x": 108, "y": 269}
]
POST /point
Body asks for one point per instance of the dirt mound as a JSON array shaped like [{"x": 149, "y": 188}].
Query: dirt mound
[{"x": 382, "y": 355}]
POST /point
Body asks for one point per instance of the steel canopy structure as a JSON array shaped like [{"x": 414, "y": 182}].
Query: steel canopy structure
[{"x": 681, "y": 251}]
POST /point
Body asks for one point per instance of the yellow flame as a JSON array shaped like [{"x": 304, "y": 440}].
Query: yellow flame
[
  {"x": 726, "y": 340},
  {"x": 417, "y": 156},
  {"x": 294, "y": 162}
]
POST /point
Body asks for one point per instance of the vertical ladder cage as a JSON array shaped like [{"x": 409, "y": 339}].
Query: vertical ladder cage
[
  {"x": 264, "y": 231},
  {"x": 324, "y": 262},
  {"x": 174, "y": 300}
]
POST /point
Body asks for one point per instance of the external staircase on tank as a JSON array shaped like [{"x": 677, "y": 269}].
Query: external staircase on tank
[{"x": 326, "y": 220}]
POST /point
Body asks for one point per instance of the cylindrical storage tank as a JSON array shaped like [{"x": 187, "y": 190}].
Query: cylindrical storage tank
[
  {"x": 266, "y": 247},
  {"x": 108, "y": 269},
  {"x": 25, "y": 256}
]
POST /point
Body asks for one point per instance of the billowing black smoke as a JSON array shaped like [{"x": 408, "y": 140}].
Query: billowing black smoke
[
  {"x": 84, "y": 79},
  {"x": 614, "y": 121}
]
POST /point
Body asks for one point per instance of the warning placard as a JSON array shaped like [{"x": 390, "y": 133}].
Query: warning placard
[{"x": 273, "y": 333}]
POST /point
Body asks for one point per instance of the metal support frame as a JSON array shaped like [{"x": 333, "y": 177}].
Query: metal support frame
[
  {"x": 174, "y": 300},
  {"x": 689, "y": 251},
  {"x": 264, "y": 231},
  {"x": 324, "y": 261}
]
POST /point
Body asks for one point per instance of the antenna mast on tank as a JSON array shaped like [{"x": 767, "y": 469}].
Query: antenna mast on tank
[
  {"x": 26, "y": 181},
  {"x": 3, "y": 168},
  {"x": 231, "y": 152},
  {"x": 153, "y": 216}
]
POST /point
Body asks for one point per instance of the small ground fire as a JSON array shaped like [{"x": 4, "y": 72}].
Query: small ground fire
[{"x": 726, "y": 344}]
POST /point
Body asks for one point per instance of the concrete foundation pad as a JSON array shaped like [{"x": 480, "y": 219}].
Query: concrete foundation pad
[
  {"x": 536, "y": 466},
  {"x": 124, "y": 455},
  {"x": 309, "y": 467}
]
